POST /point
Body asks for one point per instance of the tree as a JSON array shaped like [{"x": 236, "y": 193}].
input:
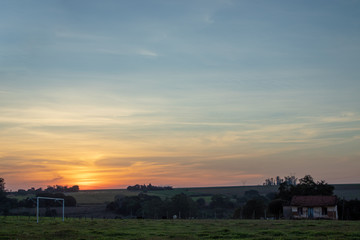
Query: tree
[
  {"x": 5, "y": 203},
  {"x": 277, "y": 181},
  {"x": 70, "y": 201},
  {"x": 285, "y": 191},
  {"x": 3, "y": 198},
  {"x": 221, "y": 205},
  {"x": 254, "y": 208},
  {"x": 200, "y": 202},
  {"x": 2, "y": 189},
  {"x": 276, "y": 207},
  {"x": 151, "y": 206},
  {"x": 349, "y": 210},
  {"x": 306, "y": 187},
  {"x": 2, "y": 185},
  {"x": 221, "y": 201},
  {"x": 291, "y": 180},
  {"x": 149, "y": 187},
  {"x": 307, "y": 180},
  {"x": 141, "y": 206},
  {"x": 183, "y": 206}
]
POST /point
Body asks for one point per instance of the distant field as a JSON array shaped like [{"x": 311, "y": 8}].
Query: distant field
[
  {"x": 347, "y": 191},
  {"x": 236, "y": 190},
  {"x": 48, "y": 228},
  {"x": 100, "y": 196}
]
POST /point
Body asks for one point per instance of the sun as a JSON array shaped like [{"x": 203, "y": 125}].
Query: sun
[{"x": 87, "y": 179}]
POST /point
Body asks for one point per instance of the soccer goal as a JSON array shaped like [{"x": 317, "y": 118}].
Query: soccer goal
[{"x": 49, "y": 198}]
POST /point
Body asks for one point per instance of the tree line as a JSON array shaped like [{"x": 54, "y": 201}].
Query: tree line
[
  {"x": 186, "y": 206},
  {"x": 49, "y": 189},
  {"x": 251, "y": 205},
  {"x": 148, "y": 187},
  {"x": 6, "y": 203},
  {"x": 291, "y": 180}
]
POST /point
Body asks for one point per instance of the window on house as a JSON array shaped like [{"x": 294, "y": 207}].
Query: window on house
[
  {"x": 300, "y": 210},
  {"x": 324, "y": 210}
]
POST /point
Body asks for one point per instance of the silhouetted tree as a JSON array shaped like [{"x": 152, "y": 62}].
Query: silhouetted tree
[
  {"x": 291, "y": 180},
  {"x": 149, "y": 187},
  {"x": 254, "y": 209},
  {"x": 27, "y": 203},
  {"x": 70, "y": 201},
  {"x": 276, "y": 207},
  {"x": 143, "y": 206},
  {"x": 349, "y": 210},
  {"x": 237, "y": 213},
  {"x": 183, "y": 206},
  {"x": 271, "y": 195},
  {"x": 152, "y": 206},
  {"x": 5, "y": 203},
  {"x": 60, "y": 188},
  {"x": 306, "y": 187},
  {"x": 200, "y": 202},
  {"x": 221, "y": 205},
  {"x": 2, "y": 185},
  {"x": 221, "y": 201}
]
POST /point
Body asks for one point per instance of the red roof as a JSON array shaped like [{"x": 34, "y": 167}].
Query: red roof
[{"x": 313, "y": 201}]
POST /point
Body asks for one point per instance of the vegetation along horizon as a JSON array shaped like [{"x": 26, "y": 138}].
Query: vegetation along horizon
[{"x": 152, "y": 212}]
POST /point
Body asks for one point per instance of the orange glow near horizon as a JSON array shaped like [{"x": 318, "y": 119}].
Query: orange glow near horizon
[
  {"x": 226, "y": 99},
  {"x": 95, "y": 174},
  {"x": 182, "y": 159}
]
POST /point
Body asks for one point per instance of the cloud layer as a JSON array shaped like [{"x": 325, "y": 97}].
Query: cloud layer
[{"x": 177, "y": 93}]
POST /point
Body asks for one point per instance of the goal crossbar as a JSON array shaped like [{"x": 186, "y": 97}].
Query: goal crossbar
[{"x": 49, "y": 198}]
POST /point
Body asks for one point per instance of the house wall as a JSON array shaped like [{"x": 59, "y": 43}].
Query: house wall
[
  {"x": 332, "y": 212},
  {"x": 317, "y": 212},
  {"x": 287, "y": 212}
]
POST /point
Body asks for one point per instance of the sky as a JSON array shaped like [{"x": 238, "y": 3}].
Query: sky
[{"x": 106, "y": 94}]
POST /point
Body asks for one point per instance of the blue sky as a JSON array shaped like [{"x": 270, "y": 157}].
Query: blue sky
[{"x": 184, "y": 93}]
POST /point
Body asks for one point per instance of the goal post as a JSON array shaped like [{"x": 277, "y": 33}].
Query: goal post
[{"x": 49, "y": 198}]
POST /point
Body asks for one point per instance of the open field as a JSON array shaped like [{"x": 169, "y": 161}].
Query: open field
[
  {"x": 348, "y": 191},
  {"x": 99, "y": 196},
  {"x": 49, "y": 228}
]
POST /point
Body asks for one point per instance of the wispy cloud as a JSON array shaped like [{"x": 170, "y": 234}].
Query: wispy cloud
[
  {"x": 147, "y": 53},
  {"x": 177, "y": 94},
  {"x": 80, "y": 36}
]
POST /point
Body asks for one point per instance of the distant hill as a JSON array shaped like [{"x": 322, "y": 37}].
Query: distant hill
[{"x": 347, "y": 191}]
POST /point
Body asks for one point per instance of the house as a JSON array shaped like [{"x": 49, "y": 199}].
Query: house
[{"x": 314, "y": 207}]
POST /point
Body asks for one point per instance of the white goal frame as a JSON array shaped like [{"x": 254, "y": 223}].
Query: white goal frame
[{"x": 49, "y": 198}]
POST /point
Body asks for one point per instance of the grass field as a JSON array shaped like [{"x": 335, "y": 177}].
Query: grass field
[{"x": 48, "y": 228}]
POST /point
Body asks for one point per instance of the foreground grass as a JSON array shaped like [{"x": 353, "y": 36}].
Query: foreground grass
[{"x": 48, "y": 228}]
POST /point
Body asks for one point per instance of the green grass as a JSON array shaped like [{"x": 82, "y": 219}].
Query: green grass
[{"x": 48, "y": 228}]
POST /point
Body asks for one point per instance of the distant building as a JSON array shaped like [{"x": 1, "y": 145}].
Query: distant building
[{"x": 314, "y": 207}]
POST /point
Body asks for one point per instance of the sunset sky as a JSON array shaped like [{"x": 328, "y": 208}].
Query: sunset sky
[{"x": 106, "y": 94}]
